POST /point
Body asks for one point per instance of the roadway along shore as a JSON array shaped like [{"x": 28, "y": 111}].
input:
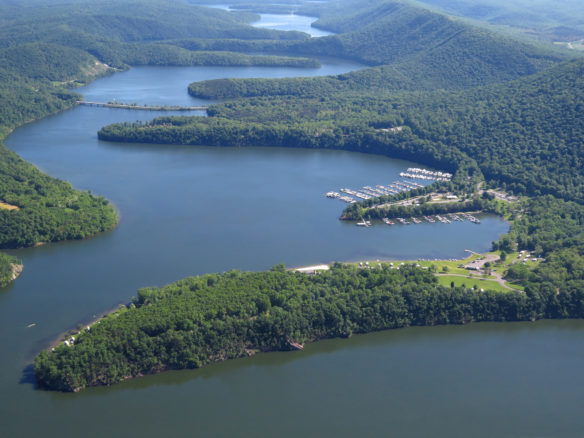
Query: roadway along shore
[{"x": 143, "y": 107}]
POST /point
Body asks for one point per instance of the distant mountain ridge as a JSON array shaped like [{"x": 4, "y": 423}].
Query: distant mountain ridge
[{"x": 412, "y": 49}]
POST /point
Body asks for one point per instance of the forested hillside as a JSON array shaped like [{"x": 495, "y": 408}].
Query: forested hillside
[
  {"x": 412, "y": 48},
  {"x": 542, "y": 19},
  {"x": 131, "y": 32}
]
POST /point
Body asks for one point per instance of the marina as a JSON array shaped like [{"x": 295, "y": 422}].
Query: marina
[
  {"x": 350, "y": 196},
  {"x": 452, "y": 217}
]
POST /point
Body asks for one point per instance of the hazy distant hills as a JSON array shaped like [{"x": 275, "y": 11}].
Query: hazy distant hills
[
  {"x": 560, "y": 20},
  {"x": 414, "y": 49}
]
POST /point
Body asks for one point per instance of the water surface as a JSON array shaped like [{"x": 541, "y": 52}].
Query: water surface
[
  {"x": 168, "y": 85},
  {"x": 291, "y": 21}
]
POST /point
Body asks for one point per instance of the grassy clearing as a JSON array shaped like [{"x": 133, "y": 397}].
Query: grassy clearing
[
  {"x": 451, "y": 269},
  {"x": 6, "y": 206},
  {"x": 452, "y": 266},
  {"x": 516, "y": 286},
  {"x": 480, "y": 283}
]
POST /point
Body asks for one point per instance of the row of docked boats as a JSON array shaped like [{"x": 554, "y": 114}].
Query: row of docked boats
[
  {"x": 445, "y": 219},
  {"x": 425, "y": 174},
  {"x": 368, "y": 192}
]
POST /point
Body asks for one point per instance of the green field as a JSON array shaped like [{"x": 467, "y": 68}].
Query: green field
[{"x": 480, "y": 283}]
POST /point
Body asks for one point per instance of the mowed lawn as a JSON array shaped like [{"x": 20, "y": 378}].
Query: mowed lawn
[{"x": 485, "y": 284}]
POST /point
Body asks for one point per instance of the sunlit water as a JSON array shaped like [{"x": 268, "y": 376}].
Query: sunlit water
[{"x": 290, "y": 21}]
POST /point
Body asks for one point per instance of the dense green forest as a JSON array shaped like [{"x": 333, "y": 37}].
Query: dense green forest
[
  {"x": 132, "y": 32},
  {"x": 200, "y": 320}
]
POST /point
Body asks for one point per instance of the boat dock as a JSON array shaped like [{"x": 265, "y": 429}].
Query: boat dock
[
  {"x": 364, "y": 193},
  {"x": 425, "y": 174},
  {"x": 445, "y": 219}
]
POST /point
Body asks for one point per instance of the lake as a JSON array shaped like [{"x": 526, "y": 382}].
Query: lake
[
  {"x": 289, "y": 21},
  {"x": 191, "y": 210}
]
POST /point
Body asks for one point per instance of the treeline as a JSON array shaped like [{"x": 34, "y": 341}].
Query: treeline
[
  {"x": 544, "y": 225},
  {"x": 129, "y": 21},
  {"x": 48, "y": 209},
  {"x": 165, "y": 54},
  {"x": 44, "y": 61},
  {"x": 230, "y": 88},
  {"x": 558, "y": 21},
  {"x": 215, "y": 317},
  {"x": 219, "y": 131}
]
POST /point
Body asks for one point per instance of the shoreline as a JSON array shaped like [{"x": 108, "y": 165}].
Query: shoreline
[
  {"x": 311, "y": 269},
  {"x": 16, "y": 271},
  {"x": 353, "y": 262},
  {"x": 63, "y": 336}
]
